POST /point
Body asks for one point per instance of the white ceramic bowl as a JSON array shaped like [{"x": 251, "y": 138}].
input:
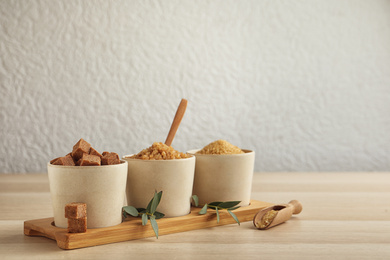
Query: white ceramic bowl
[
  {"x": 226, "y": 177},
  {"x": 174, "y": 177},
  {"x": 102, "y": 188}
]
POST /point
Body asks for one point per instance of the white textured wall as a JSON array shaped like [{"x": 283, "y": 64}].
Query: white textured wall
[{"x": 306, "y": 84}]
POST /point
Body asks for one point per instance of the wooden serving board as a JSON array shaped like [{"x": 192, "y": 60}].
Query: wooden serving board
[{"x": 132, "y": 228}]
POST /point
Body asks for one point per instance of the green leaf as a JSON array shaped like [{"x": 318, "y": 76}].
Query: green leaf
[
  {"x": 234, "y": 208},
  {"x": 215, "y": 203},
  {"x": 131, "y": 211},
  {"x": 155, "y": 201},
  {"x": 154, "y": 225},
  {"x": 150, "y": 204},
  {"x": 196, "y": 200},
  {"x": 144, "y": 219},
  {"x": 159, "y": 215},
  {"x": 141, "y": 210},
  {"x": 203, "y": 210},
  {"x": 216, "y": 211},
  {"x": 234, "y": 216},
  {"x": 228, "y": 204}
]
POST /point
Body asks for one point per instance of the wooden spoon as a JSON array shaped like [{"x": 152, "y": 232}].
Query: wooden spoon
[
  {"x": 176, "y": 121},
  {"x": 282, "y": 213}
]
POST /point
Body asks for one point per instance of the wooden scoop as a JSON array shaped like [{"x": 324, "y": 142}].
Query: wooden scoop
[
  {"x": 176, "y": 121},
  {"x": 275, "y": 215}
]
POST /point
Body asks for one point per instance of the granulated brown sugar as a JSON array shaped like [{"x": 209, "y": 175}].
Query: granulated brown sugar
[
  {"x": 267, "y": 219},
  {"x": 159, "y": 151},
  {"x": 220, "y": 147}
]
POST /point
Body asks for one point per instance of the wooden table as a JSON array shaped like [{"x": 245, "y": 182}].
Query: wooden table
[{"x": 345, "y": 216}]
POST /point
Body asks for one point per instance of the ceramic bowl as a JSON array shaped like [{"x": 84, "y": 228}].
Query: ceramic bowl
[
  {"x": 223, "y": 177},
  {"x": 102, "y": 188},
  {"x": 174, "y": 177}
]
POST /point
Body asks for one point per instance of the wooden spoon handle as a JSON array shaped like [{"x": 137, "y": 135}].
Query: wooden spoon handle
[
  {"x": 296, "y": 205},
  {"x": 176, "y": 121}
]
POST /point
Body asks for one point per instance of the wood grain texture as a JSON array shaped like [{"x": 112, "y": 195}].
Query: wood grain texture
[
  {"x": 337, "y": 222},
  {"x": 132, "y": 228}
]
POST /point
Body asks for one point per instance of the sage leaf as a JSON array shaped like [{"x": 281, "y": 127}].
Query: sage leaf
[
  {"x": 196, "y": 200},
  {"x": 234, "y": 208},
  {"x": 203, "y": 210},
  {"x": 141, "y": 210},
  {"x": 144, "y": 219},
  {"x": 234, "y": 216},
  {"x": 155, "y": 201},
  {"x": 154, "y": 225},
  {"x": 153, "y": 206},
  {"x": 150, "y": 203},
  {"x": 215, "y": 203},
  {"x": 217, "y": 212},
  {"x": 159, "y": 215},
  {"x": 159, "y": 195},
  {"x": 131, "y": 211},
  {"x": 228, "y": 204}
]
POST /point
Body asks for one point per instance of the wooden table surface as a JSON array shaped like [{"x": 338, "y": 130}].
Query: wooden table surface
[{"x": 345, "y": 216}]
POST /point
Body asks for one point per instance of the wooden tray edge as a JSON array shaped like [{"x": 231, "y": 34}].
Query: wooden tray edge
[{"x": 132, "y": 228}]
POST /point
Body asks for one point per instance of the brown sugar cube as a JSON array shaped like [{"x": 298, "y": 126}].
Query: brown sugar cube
[
  {"x": 52, "y": 161},
  {"x": 66, "y": 160},
  {"x": 77, "y": 225},
  {"x": 104, "y": 153},
  {"x": 70, "y": 154},
  {"x": 80, "y": 148},
  {"x": 110, "y": 158},
  {"x": 94, "y": 152},
  {"x": 90, "y": 160},
  {"x": 75, "y": 210},
  {"x": 78, "y": 162}
]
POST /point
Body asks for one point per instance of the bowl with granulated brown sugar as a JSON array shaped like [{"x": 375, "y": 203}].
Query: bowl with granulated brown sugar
[
  {"x": 223, "y": 172},
  {"x": 161, "y": 168}
]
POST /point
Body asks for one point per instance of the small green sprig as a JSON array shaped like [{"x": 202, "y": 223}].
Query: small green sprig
[
  {"x": 149, "y": 213},
  {"x": 217, "y": 206}
]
